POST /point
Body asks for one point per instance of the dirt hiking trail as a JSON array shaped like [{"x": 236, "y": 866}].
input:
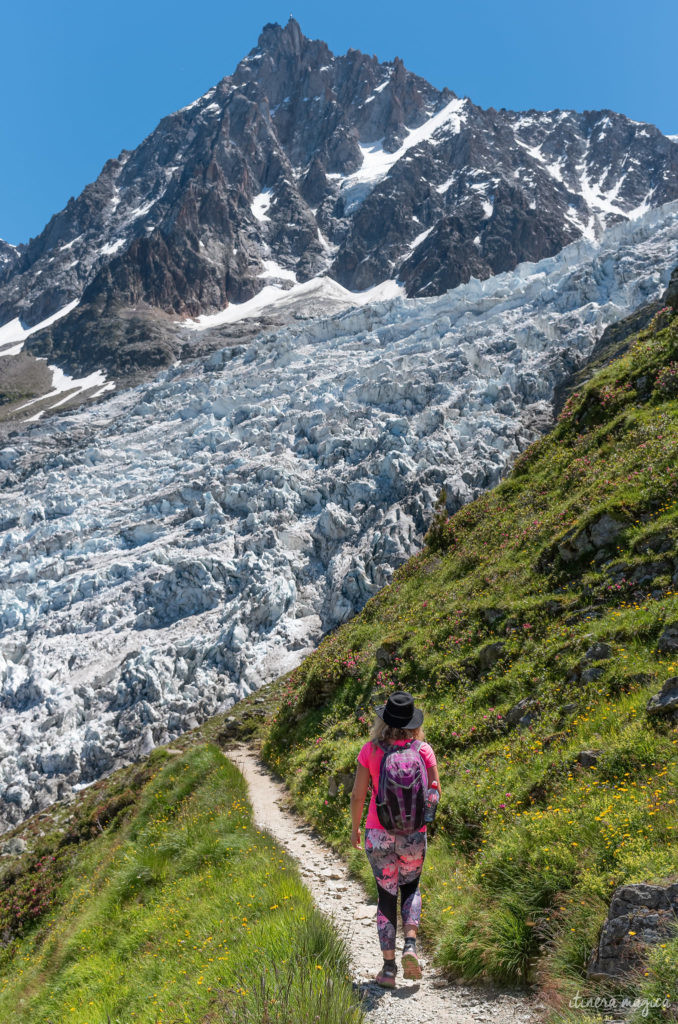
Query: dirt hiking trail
[{"x": 343, "y": 899}]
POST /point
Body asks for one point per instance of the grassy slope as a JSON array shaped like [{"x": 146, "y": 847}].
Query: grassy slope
[
  {"x": 529, "y": 843},
  {"x": 154, "y": 899}
]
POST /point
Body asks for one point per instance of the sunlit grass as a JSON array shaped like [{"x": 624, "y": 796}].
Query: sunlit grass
[
  {"x": 185, "y": 912},
  {"x": 530, "y": 843}
]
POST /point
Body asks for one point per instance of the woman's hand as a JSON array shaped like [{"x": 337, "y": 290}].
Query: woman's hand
[{"x": 355, "y": 839}]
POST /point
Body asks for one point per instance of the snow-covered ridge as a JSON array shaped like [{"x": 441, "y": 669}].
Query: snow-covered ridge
[{"x": 167, "y": 551}]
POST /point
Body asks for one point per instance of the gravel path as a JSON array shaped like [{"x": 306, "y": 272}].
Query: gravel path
[{"x": 344, "y": 900}]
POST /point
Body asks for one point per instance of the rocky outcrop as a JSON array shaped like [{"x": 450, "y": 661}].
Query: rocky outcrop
[
  {"x": 668, "y": 641},
  {"x": 599, "y": 534},
  {"x": 523, "y": 713},
  {"x": 666, "y": 701},
  {"x": 671, "y": 293},
  {"x": 615, "y": 341},
  {"x": 489, "y": 655},
  {"x": 9, "y": 254},
  {"x": 302, "y": 164},
  {"x": 639, "y": 916}
]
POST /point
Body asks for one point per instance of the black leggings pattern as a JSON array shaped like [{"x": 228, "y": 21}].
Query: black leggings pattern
[{"x": 396, "y": 862}]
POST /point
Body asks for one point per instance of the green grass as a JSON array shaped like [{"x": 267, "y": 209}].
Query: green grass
[
  {"x": 158, "y": 901},
  {"x": 529, "y": 844}
]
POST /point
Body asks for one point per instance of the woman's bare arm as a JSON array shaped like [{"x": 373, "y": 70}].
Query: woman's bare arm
[
  {"x": 358, "y": 793},
  {"x": 433, "y": 776}
]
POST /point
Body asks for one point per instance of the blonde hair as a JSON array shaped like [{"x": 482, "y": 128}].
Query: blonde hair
[{"x": 381, "y": 732}]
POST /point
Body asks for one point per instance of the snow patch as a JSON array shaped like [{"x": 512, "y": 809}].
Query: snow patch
[
  {"x": 14, "y": 333},
  {"x": 377, "y": 162},
  {"x": 69, "y": 245},
  {"x": 260, "y": 205},
  {"x": 72, "y": 386},
  {"x": 111, "y": 247},
  {"x": 273, "y": 269},
  {"x": 442, "y": 189},
  {"x": 140, "y": 211},
  {"x": 419, "y": 239}
]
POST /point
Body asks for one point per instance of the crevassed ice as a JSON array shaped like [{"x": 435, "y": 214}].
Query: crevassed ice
[{"x": 169, "y": 550}]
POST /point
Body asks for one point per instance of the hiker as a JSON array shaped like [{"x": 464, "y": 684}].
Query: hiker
[{"x": 396, "y": 854}]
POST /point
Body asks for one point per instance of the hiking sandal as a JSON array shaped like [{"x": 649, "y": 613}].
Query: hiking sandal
[{"x": 411, "y": 966}]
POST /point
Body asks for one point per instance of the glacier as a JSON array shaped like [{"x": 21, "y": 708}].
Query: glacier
[{"x": 168, "y": 550}]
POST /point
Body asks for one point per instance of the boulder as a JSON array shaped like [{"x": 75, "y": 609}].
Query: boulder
[
  {"x": 658, "y": 542},
  {"x": 229, "y": 729},
  {"x": 671, "y": 293},
  {"x": 574, "y": 545},
  {"x": 344, "y": 781},
  {"x": 13, "y": 847},
  {"x": 490, "y": 655},
  {"x": 587, "y": 758},
  {"x": 668, "y": 641},
  {"x": 386, "y": 654},
  {"x": 639, "y": 916},
  {"x": 605, "y": 530},
  {"x": 598, "y": 652},
  {"x": 599, "y": 534},
  {"x": 519, "y": 711},
  {"x": 666, "y": 701},
  {"x": 493, "y": 615},
  {"x": 589, "y": 675}
]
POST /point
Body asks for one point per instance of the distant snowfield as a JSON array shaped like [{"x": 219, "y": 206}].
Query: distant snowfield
[{"x": 169, "y": 550}]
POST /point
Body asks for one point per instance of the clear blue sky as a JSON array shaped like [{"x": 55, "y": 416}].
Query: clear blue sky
[{"x": 81, "y": 80}]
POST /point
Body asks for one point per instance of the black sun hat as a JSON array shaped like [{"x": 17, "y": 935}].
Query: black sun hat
[{"x": 399, "y": 711}]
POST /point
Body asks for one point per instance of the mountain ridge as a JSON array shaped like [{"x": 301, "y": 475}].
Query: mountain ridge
[{"x": 303, "y": 164}]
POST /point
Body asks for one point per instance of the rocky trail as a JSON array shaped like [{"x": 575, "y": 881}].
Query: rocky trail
[{"x": 344, "y": 900}]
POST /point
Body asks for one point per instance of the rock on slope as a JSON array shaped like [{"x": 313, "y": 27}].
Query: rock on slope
[
  {"x": 168, "y": 551},
  {"x": 301, "y": 164}
]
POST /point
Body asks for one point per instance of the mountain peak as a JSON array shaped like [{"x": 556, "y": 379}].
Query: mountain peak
[
  {"x": 276, "y": 39},
  {"x": 301, "y": 165}
]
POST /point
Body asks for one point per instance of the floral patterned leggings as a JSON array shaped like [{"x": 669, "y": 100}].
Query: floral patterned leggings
[{"x": 396, "y": 861}]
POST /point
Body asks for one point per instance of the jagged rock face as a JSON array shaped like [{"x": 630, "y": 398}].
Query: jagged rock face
[
  {"x": 9, "y": 254},
  {"x": 328, "y": 165},
  {"x": 169, "y": 550},
  {"x": 671, "y": 293}
]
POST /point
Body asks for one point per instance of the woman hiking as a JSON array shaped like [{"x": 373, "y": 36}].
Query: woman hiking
[{"x": 395, "y": 838}]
